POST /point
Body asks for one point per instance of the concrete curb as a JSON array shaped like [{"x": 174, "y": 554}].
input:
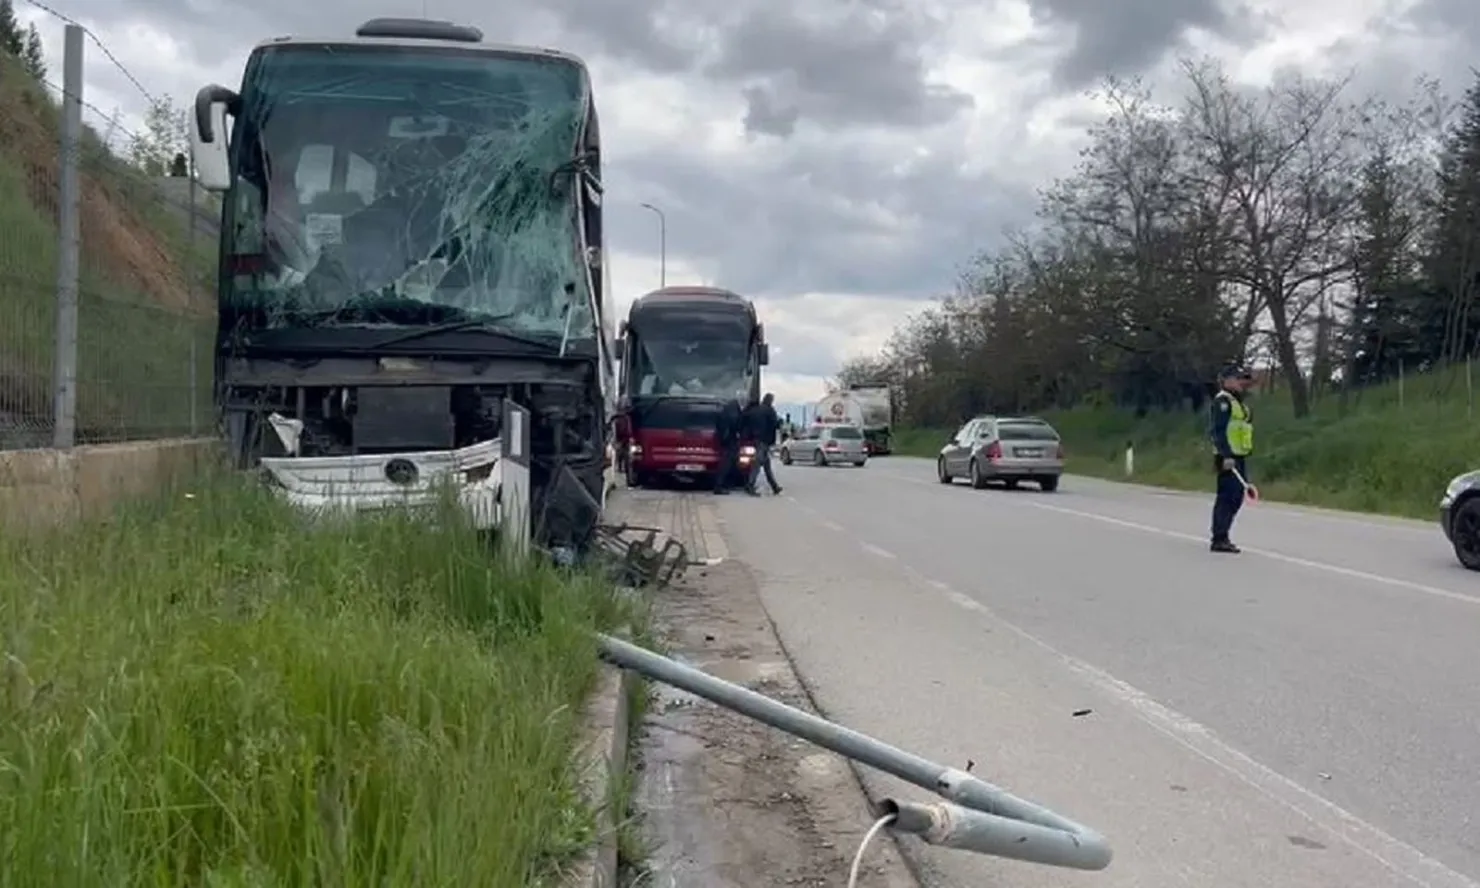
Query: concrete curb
[
  {"x": 43, "y": 489},
  {"x": 604, "y": 757}
]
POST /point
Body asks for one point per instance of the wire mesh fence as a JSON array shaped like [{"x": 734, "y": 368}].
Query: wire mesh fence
[{"x": 145, "y": 316}]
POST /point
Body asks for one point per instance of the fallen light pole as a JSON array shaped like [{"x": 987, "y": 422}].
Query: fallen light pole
[{"x": 977, "y": 817}]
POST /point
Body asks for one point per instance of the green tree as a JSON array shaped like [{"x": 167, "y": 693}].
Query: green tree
[
  {"x": 33, "y": 56},
  {"x": 12, "y": 38},
  {"x": 165, "y": 135},
  {"x": 23, "y": 43}
]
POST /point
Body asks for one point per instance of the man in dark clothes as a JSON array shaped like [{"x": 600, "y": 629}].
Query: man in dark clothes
[
  {"x": 1232, "y": 433},
  {"x": 727, "y": 429},
  {"x": 761, "y": 426}
]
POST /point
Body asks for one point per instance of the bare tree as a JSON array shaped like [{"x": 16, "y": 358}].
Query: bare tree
[
  {"x": 1286, "y": 161},
  {"x": 1289, "y": 225}
]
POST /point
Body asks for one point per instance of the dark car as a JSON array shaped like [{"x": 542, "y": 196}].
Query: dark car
[{"x": 1459, "y": 516}]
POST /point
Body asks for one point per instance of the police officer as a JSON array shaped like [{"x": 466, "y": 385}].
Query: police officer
[{"x": 1232, "y": 433}]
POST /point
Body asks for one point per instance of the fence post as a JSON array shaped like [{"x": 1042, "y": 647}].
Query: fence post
[
  {"x": 194, "y": 286},
  {"x": 64, "y": 375}
]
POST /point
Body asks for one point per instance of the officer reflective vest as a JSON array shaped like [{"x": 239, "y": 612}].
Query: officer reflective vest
[{"x": 1240, "y": 426}]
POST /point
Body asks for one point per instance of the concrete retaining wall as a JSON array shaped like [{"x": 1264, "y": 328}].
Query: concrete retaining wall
[{"x": 45, "y": 488}]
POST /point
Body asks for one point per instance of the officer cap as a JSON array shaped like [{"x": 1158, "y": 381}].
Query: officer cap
[{"x": 1235, "y": 371}]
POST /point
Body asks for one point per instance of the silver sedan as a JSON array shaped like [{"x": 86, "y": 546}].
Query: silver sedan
[{"x": 826, "y": 446}]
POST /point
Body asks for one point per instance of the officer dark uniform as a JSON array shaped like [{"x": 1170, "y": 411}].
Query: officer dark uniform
[
  {"x": 1232, "y": 433},
  {"x": 728, "y": 427}
]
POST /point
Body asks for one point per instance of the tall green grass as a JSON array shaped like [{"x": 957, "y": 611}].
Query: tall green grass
[
  {"x": 1390, "y": 451},
  {"x": 212, "y": 691}
]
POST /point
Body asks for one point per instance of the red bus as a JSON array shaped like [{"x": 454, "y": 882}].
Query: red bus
[{"x": 685, "y": 351}]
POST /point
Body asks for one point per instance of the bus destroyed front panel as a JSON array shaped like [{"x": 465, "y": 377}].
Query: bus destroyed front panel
[{"x": 523, "y": 457}]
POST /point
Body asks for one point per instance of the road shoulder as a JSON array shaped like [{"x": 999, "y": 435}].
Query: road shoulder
[{"x": 728, "y": 802}]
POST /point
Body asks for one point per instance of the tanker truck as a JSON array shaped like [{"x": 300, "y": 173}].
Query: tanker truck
[{"x": 876, "y": 407}]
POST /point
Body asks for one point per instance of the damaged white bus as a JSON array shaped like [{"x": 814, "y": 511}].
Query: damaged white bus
[{"x": 411, "y": 277}]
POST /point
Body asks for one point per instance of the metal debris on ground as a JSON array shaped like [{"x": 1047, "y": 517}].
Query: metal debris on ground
[{"x": 635, "y": 556}]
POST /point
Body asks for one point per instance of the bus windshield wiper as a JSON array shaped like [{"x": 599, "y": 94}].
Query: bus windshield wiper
[{"x": 485, "y": 325}]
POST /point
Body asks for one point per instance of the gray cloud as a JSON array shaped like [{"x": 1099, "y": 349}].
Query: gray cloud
[
  {"x": 765, "y": 113},
  {"x": 802, "y": 353},
  {"x": 1451, "y": 15},
  {"x": 840, "y": 65},
  {"x": 820, "y": 221},
  {"x": 1132, "y": 35},
  {"x": 835, "y": 63}
]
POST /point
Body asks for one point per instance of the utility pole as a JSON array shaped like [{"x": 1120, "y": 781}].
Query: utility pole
[{"x": 662, "y": 244}]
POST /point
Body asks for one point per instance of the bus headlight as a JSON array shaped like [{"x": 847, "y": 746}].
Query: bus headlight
[{"x": 747, "y": 450}]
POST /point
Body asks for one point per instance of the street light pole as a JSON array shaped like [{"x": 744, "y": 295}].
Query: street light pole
[{"x": 662, "y": 244}]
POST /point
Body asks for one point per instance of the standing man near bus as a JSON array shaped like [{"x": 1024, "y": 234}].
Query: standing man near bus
[
  {"x": 1232, "y": 433},
  {"x": 762, "y": 424}
]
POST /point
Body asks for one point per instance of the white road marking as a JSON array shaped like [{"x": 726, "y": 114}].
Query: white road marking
[
  {"x": 1396, "y": 855},
  {"x": 960, "y": 599},
  {"x": 1293, "y": 510},
  {"x": 875, "y": 550},
  {"x": 1307, "y": 563},
  {"x": 832, "y": 525}
]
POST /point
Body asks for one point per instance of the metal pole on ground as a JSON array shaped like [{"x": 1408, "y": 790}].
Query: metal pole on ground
[
  {"x": 64, "y": 375},
  {"x": 985, "y": 818}
]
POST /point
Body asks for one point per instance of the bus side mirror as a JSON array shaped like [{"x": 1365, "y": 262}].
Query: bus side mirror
[
  {"x": 763, "y": 353},
  {"x": 208, "y": 136},
  {"x": 619, "y": 349}
]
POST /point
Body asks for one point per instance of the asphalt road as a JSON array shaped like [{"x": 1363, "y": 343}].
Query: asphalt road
[{"x": 1304, "y": 714}]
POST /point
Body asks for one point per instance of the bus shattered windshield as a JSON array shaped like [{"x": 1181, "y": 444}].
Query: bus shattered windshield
[{"x": 402, "y": 186}]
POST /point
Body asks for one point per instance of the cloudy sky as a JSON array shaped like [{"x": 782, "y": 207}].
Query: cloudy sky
[{"x": 836, "y": 160}]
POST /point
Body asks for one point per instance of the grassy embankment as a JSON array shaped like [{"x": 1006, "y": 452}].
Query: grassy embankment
[
  {"x": 1389, "y": 453},
  {"x": 145, "y": 313},
  {"x": 208, "y": 692}
]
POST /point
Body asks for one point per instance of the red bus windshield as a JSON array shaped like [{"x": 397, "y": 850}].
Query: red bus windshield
[{"x": 705, "y": 354}]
